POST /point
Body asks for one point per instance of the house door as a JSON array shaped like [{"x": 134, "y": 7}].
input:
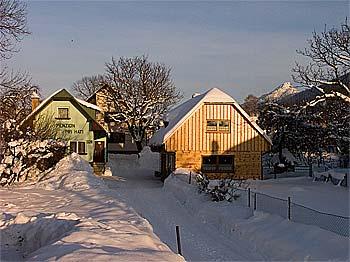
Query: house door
[
  {"x": 167, "y": 161},
  {"x": 99, "y": 152}
]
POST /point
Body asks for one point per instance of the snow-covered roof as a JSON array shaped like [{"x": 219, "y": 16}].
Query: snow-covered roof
[
  {"x": 177, "y": 116},
  {"x": 89, "y": 105},
  {"x": 44, "y": 102}
]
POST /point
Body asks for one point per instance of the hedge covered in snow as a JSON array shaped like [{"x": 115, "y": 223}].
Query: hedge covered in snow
[{"x": 25, "y": 159}]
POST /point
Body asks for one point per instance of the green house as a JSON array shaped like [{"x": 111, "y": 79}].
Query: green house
[{"x": 72, "y": 120}]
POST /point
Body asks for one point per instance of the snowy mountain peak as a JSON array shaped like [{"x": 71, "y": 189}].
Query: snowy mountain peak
[{"x": 284, "y": 90}]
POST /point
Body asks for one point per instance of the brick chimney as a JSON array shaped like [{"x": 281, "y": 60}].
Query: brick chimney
[{"x": 35, "y": 100}]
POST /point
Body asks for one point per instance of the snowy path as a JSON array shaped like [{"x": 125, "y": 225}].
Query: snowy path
[
  {"x": 60, "y": 220},
  {"x": 200, "y": 241}
]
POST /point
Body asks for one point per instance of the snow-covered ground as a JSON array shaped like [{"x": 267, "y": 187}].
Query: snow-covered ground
[
  {"x": 222, "y": 231},
  {"x": 73, "y": 215},
  {"x": 70, "y": 215}
]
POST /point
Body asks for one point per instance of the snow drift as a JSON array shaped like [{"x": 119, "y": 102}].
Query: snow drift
[{"x": 71, "y": 173}]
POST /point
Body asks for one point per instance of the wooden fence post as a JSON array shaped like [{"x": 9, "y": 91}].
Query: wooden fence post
[
  {"x": 189, "y": 179},
  {"x": 254, "y": 201},
  {"x": 310, "y": 169},
  {"x": 249, "y": 197},
  {"x": 288, "y": 208},
  {"x": 178, "y": 240}
]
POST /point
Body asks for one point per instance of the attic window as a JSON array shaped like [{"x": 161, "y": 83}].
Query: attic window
[
  {"x": 212, "y": 125},
  {"x": 62, "y": 113},
  {"x": 218, "y": 125}
]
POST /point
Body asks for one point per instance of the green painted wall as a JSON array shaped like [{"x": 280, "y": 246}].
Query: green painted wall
[{"x": 76, "y": 128}]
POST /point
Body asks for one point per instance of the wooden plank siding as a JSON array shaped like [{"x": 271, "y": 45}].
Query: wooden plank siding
[{"x": 191, "y": 141}]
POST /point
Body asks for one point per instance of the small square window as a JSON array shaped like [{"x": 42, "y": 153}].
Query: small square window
[
  {"x": 209, "y": 163},
  {"x": 212, "y": 125},
  {"x": 63, "y": 113},
  {"x": 224, "y": 125}
]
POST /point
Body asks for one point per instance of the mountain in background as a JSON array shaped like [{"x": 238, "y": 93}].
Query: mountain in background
[
  {"x": 281, "y": 92},
  {"x": 288, "y": 95}
]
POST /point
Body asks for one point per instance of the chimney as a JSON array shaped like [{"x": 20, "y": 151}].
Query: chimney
[{"x": 35, "y": 100}]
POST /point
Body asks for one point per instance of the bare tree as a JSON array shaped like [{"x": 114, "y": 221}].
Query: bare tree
[
  {"x": 329, "y": 68},
  {"x": 15, "y": 96},
  {"x": 87, "y": 86},
  {"x": 142, "y": 92},
  {"x": 13, "y": 26}
]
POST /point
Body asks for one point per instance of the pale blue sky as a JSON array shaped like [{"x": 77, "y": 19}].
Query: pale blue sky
[{"x": 242, "y": 47}]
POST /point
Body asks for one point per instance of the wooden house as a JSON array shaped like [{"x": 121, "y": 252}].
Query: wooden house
[{"x": 211, "y": 133}]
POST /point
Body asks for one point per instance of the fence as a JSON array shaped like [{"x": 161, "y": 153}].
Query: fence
[{"x": 295, "y": 212}]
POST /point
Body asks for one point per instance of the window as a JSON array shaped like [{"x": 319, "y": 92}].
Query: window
[
  {"x": 63, "y": 113},
  {"x": 81, "y": 148},
  {"x": 78, "y": 147},
  {"x": 218, "y": 163},
  {"x": 117, "y": 137},
  {"x": 224, "y": 125},
  {"x": 218, "y": 125},
  {"x": 209, "y": 163},
  {"x": 73, "y": 146},
  {"x": 212, "y": 125},
  {"x": 225, "y": 163}
]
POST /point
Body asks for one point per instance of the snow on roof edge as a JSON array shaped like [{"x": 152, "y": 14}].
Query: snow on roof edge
[{"x": 87, "y": 104}]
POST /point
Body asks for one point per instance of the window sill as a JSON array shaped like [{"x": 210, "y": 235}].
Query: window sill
[
  {"x": 218, "y": 131},
  {"x": 217, "y": 171},
  {"x": 84, "y": 154}
]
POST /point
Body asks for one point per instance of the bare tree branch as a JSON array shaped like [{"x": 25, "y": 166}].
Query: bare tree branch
[
  {"x": 142, "y": 92},
  {"x": 329, "y": 69},
  {"x": 88, "y": 85},
  {"x": 13, "y": 26}
]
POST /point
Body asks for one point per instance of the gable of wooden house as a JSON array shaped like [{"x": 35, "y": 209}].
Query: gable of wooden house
[{"x": 209, "y": 129}]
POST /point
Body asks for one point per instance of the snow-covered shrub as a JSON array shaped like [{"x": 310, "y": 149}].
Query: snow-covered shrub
[
  {"x": 26, "y": 159},
  {"x": 225, "y": 189}
]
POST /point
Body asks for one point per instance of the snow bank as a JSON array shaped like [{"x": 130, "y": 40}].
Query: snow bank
[
  {"x": 220, "y": 214},
  {"x": 281, "y": 239},
  {"x": 146, "y": 160},
  {"x": 72, "y": 173},
  {"x": 22, "y": 234},
  {"x": 149, "y": 159},
  {"x": 271, "y": 235}
]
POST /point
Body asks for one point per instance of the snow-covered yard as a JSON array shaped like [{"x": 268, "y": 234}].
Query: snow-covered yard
[
  {"x": 223, "y": 231},
  {"x": 324, "y": 197},
  {"x": 71, "y": 216}
]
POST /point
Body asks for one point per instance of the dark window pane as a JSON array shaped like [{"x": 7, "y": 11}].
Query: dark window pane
[
  {"x": 225, "y": 159},
  {"x": 211, "y": 125},
  {"x": 225, "y": 163},
  {"x": 81, "y": 147},
  {"x": 209, "y": 160},
  {"x": 209, "y": 163},
  {"x": 224, "y": 125},
  {"x": 73, "y": 146}
]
